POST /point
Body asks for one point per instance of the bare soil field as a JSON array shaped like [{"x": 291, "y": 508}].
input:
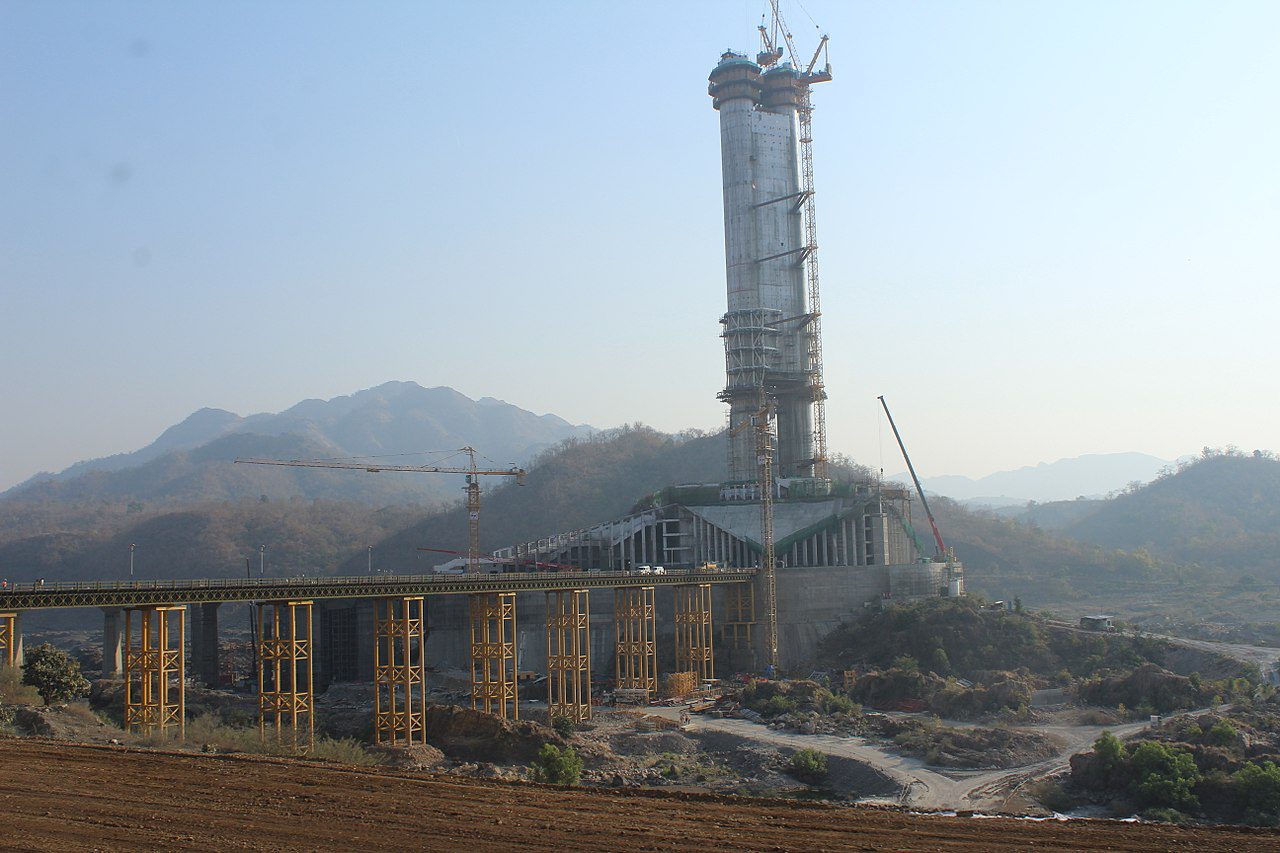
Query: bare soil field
[{"x": 56, "y": 796}]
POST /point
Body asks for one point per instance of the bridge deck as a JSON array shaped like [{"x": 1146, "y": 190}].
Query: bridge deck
[{"x": 133, "y": 593}]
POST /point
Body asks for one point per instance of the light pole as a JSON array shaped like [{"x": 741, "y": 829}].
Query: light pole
[
  {"x": 370, "y": 559},
  {"x": 262, "y": 560},
  {"x": 131, "y": 547}
]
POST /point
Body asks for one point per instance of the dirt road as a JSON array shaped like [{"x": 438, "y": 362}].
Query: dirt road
[
  {"x": 922, "y": 787},
  {"x": 64, "y": 797}
]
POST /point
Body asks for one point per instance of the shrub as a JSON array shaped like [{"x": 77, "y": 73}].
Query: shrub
[
  {"x": 808, "y": 765},
  {"x": 776, "y": 706},
  {"x": 563, "y": 724},
  {"x": 837, "y": 704},
  {"x": 1222, "y": 734},
  {"x": 1163, "y": 776},
  {"x": 53, "y": 673},
  {"x": 557, "y": 766},
  {"x": 1258, "y": 790},
  {"x": 1164, "y": 815}
]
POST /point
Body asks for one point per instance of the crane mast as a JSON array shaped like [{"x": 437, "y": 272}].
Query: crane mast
[
  {"x": 472, "y": 471},
  {"x": 762, "y": 422}
]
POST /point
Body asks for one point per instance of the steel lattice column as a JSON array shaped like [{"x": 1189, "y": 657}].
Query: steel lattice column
[
  {"x": 285, "y": 678},
  {"x": 9, "y": 639},
  {"x": 155, "y": 669},
  {"x": 569, "y": 654},
  {"x": 636, "y": 639},
  {"x": 693, "y": 630},
  {"x": 493, "y": 654},
  {"x": 399, "y": 671},
  {"x": 736, "y": 631}
]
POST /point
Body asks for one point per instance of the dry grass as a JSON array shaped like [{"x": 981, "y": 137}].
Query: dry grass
[
  {"x": 210, "y": 732},
  {"x": 13, "y": 691}
]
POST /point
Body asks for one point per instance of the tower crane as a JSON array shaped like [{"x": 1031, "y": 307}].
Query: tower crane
[
  {"x": 762, "y": 421},
  {"x": 472, "y": 471},
  {"x": 773, "y": 37}
]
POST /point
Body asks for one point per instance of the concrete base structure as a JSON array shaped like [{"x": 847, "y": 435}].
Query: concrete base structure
[
  {"x": 112, "y": 642},
  {"x": 204, "y": 644}
]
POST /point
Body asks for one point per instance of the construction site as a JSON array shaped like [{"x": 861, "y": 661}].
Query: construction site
[{"x": 624, "y": 628}]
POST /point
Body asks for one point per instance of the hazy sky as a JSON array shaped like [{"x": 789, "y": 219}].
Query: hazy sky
[{"x": 1047, "y": 229}]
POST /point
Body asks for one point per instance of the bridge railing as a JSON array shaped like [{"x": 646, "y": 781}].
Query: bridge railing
[{"x": 433, "y": 579}]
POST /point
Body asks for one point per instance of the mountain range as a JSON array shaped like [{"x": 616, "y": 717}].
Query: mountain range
[
  {"x": 191, "y": 461},
  {"x": 1090, "y": 476}
]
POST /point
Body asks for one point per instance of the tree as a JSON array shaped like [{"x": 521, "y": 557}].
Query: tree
[
  {"x": 557, "y": 766},
  {"x": 53, "y": 674},
  {"x": 1163, "y": 776},
  {"x": 1258, "y": 790}
]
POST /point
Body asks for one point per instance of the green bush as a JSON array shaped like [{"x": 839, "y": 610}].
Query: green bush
[
  {"x": 776, "y": 706},
  {"x": 563, "y": 724},
  {"x": 1164, "y": 815},
  {"x": 1258, "y": 791},
  {"x": 1222, "y": 734},
  {"x": 808, "y": 765},
  {"x": 1163, "y": 777},
  {"x": 557, "y": 766},
  {"x": 837, "y": 704},
  {"x": 53, "y": 674}
]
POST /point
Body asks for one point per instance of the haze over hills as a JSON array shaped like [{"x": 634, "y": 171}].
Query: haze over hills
[
  {"x": 191, "y": 461},
  {"x": 1092, "y": 475}
]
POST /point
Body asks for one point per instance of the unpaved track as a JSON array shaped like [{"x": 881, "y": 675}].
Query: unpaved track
[{"x": 68, "y": 797}]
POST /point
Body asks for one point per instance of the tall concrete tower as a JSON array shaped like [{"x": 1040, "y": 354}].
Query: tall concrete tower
[{"x": 767, "y": 331}]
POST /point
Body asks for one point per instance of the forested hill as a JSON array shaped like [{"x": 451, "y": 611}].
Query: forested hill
[
  {"x": 579, "y": 483},
  {"x": 1221, "y": 511}
]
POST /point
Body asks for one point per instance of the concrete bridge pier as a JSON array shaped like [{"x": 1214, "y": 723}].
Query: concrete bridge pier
[
  {"x": 204, "y": 643},
  {"x": 112, "y": 642}
]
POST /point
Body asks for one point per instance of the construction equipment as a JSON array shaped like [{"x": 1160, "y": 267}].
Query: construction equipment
[
  {"x": 941, "y": 554},
  {"x": 471, "y": 470},
  {"x": 771, "y": 53},
  {"x": 762, "y": 421}
]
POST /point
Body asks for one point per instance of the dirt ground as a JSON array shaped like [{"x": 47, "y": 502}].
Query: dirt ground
[{"x": 56, "y": 796}]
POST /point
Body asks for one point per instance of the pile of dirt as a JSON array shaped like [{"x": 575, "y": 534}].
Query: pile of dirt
[
  {"x": 970, "y": 749},
  {"x": 469, "y": 735},
  {"x": 64, "y": 722}
]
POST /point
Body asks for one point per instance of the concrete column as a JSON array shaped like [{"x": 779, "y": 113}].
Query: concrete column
[
  {"x": 365, "y": 639},
  {"x": 19, "y": 658},
  {"x": 204, "y": 643},
  {"x": 112, "y": 643}
]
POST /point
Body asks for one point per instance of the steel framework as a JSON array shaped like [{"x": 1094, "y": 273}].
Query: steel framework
[
  {"x": 569, "y": 655},
  {"x": 285, "y": 652},
  {"x": 8, "y": 638},
  {"x": 636, "y": 648},
  {"x": 493, "y": 654},
  {"x": 155, "y": 669},
  {"x": 736, "y": 631},
  {"x": 168, "y": 592},
  {"x": 399, "y": 672},
  {"x": 694, "y": 651}
]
